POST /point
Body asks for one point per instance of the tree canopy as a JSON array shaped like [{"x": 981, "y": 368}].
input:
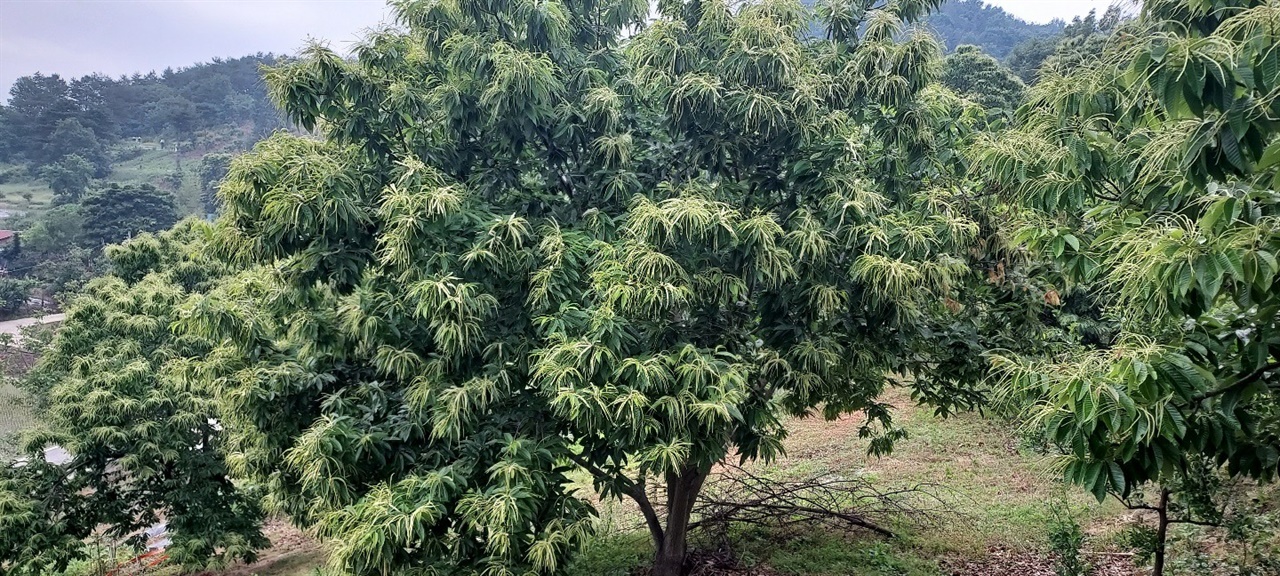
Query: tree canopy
[
  {"x": 526, "y": 247},
  {"x": 143, "y": 436},
  {"x": 68, "y": 178},
  {"x": 973, "y": 74},
  {"x": 1150, "y": 174},
  {"x": 116, "y": 213}
]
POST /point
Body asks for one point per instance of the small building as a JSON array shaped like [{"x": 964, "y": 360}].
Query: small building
[{"x": 8, "y": 238}]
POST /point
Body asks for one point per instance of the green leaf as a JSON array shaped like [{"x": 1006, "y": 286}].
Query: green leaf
[
  {"x": 1179, "y": 424},
  {"x": 1100, "y": 483},
  {"x": 1158, "y": 51},
  {"x": 1271, "y": 157},
  {"x": 1117, "y": 478},
  {"x": 1208, "y": 276},
  {"x": 1092, "y": 473},
  {"x": 1184, "y": 281},
  {"x": 1231, "y": 149}
]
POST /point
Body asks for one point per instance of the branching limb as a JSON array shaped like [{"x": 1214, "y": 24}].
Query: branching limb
[
  {"x": 738, "y": 496},
  {"x": 635, "y": 489},
  {"x": 1243, "y": 381}
]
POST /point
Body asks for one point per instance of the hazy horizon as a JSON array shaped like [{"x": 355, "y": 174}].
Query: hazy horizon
[{"x": 74, "y": 38}]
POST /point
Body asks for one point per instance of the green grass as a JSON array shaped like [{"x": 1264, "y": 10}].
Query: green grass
[
  {"x": 809, "y": 554},
  {"x": 152, "y": 167},
  {"x": 613, "y": 555},
  {"x": 822, "y": 554},
  {"x": 11, "y": 198},
  {"x": 998, "y": 492}
]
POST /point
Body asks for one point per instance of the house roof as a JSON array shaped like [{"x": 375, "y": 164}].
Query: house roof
[{"x": 7, "y": 234}]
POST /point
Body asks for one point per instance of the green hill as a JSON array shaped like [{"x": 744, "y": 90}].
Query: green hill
[{"x": 975, "y": 22}]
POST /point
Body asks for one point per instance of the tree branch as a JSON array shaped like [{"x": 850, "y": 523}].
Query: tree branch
[
  {"x": 651, "y": 519},
  {"x": 635, "y": 490},
  {"x": 1245, "y": 380},
  {"x": 737, "y": 496},
  {"x": 1195, "y": 522}
]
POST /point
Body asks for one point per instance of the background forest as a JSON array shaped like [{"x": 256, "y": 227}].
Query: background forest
[
  {"x": 91, "y": 161},
  {"x": 589, "y": 287}
]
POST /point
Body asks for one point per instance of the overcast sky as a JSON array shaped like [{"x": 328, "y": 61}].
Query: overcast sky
[{"x": 78, "y": 37}]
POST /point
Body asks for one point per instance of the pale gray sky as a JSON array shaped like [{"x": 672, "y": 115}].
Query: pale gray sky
[{"x": 78, "y": 37}]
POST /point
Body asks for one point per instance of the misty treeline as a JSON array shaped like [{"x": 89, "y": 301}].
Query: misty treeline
[
  {"x": 996, "y": 31},
  {"x": 49, "y": 117}
]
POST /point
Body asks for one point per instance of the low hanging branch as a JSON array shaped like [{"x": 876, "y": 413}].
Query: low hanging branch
[{"x": 737, "y": 496}]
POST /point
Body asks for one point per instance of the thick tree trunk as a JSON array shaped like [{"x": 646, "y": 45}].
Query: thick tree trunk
[
  {"x": 670, "y": 542},
  {"x": 1162, "y": 532}
]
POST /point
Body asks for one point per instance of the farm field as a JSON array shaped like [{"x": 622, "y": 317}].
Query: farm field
[
  {"x": 153, "y": 165},
  {"x": 12, "y": 197}
]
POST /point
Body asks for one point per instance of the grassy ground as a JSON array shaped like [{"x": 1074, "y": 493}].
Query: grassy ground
[
  {"x": 1000, "y": 493},
  {"x": 12, "y": 199},
  {"x": 155, "y": 166}
]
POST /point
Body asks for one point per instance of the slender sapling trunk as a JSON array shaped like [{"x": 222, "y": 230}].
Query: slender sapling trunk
[{"x": 1162, "y": 532}]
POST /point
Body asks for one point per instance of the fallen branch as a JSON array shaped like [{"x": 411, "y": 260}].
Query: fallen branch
[{"x": 737, "y": 496}]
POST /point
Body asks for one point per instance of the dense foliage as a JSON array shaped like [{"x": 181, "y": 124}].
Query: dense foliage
[
  {"x": 213, "y": 168},
  {"x": 143, "y": 438},
  {"x": 972, "y": 73},
  {"x": 525, "y": 250},
  {"x": 1150, "y": 173},
  {"x": 68, "y": 178},
  {"x": 116, "y": 213}
]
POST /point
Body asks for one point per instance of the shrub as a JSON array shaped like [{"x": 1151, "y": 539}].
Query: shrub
[{"x": 1066, "y": 539}]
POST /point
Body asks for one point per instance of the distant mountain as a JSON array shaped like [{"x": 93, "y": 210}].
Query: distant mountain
[{"x": 975, "y": 22}]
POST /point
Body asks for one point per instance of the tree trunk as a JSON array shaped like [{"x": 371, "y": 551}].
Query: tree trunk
[
  {"x": 1162, "y": 532},
  {"x": 671, "y": 542}
]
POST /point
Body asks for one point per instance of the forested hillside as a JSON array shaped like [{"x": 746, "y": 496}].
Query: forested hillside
[
  {"x": 48, "y": 116},
  {"x": 959, "y": 22},
  {"x": 89, "y": 161}
]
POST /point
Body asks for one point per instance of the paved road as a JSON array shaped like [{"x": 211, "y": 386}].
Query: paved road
[{"x": 13, "y": 326}]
